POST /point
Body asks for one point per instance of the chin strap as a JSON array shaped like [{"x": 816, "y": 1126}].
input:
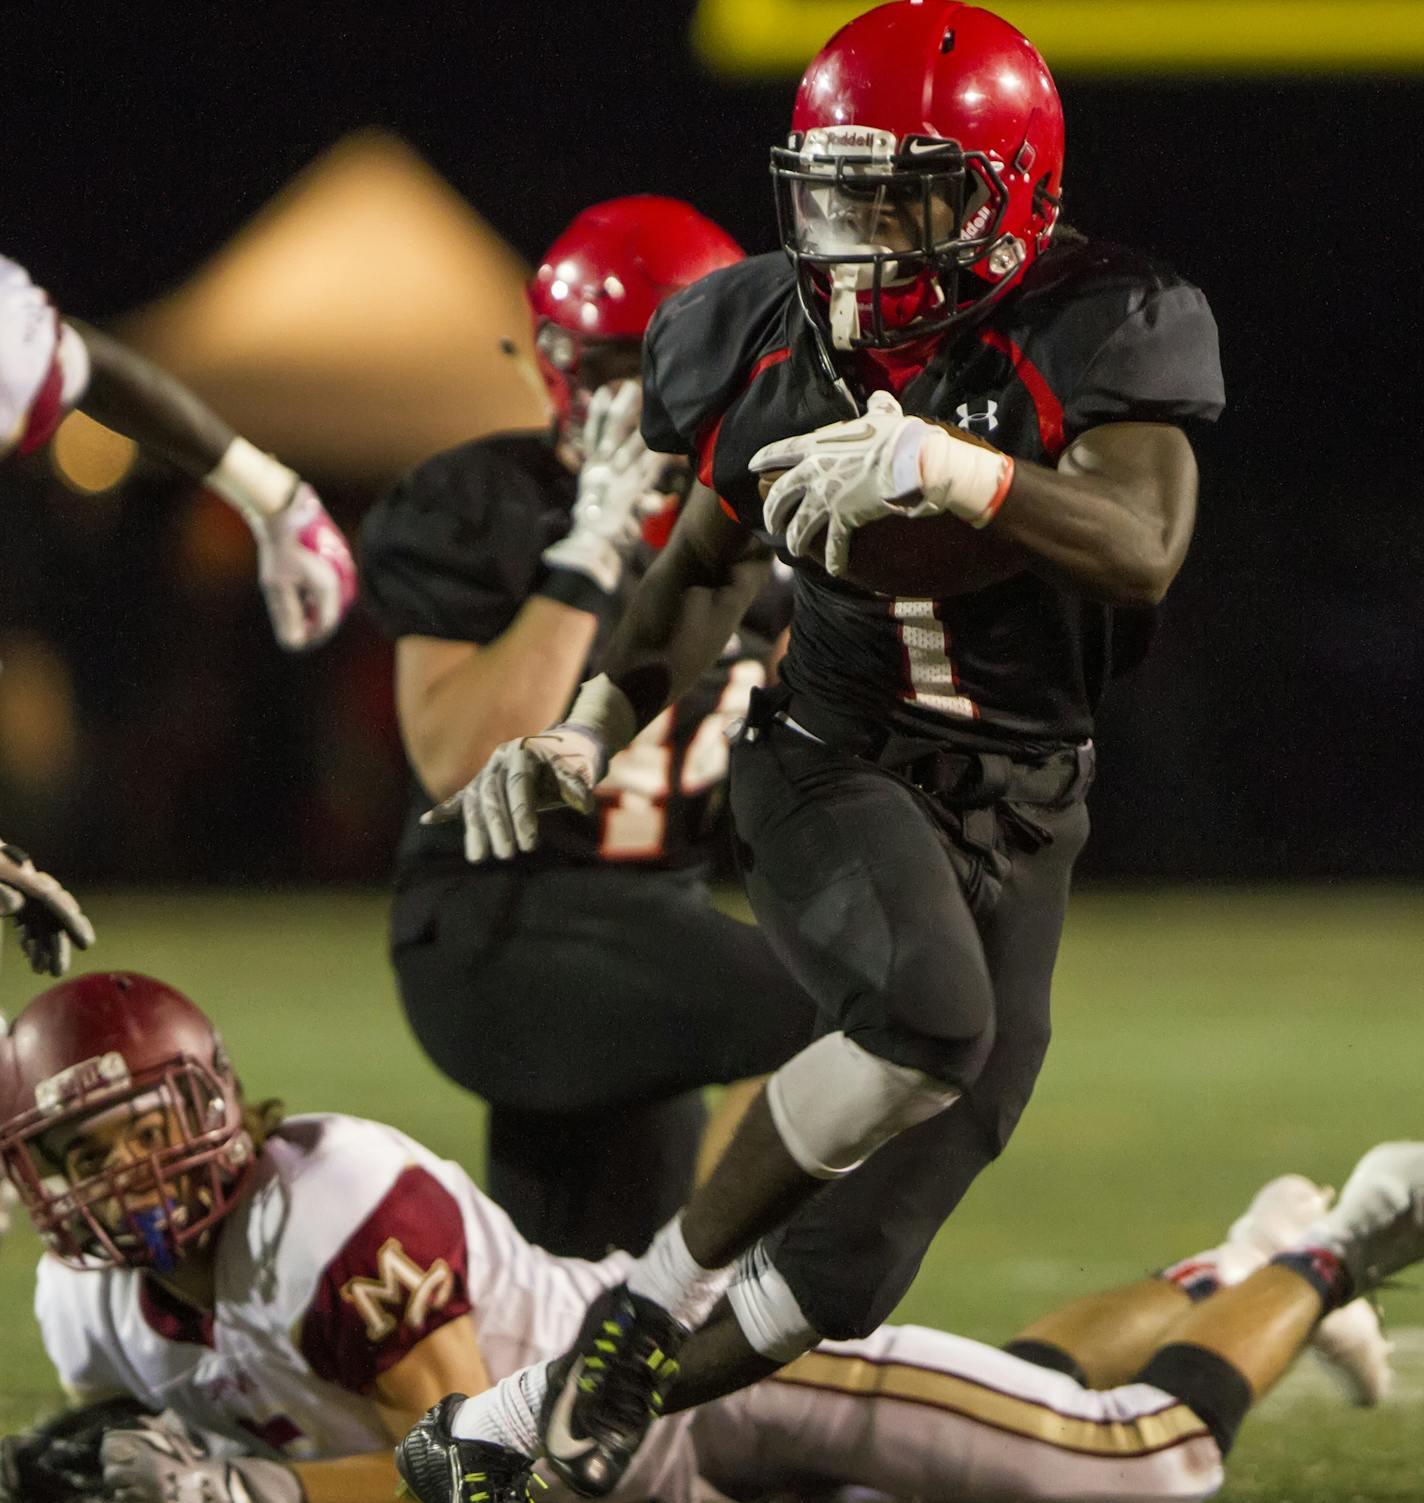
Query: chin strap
[{"x": 845, "y": 305}]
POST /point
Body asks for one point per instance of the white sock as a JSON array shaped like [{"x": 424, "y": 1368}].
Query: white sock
[
  {"x": 508, "y": 1413},
  {"x": 671, "y": 1277}
]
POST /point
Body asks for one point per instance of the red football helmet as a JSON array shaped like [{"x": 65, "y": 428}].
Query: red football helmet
[
  {"x": 934, "y": 125},
  {"x": 113, "y": 1047},
  {"x": 599, "y": 283}
]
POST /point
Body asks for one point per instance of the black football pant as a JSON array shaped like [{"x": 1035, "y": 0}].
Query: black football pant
[
  {"x": 588, "y": 1006},
  {"x": 926, "y": 929}
]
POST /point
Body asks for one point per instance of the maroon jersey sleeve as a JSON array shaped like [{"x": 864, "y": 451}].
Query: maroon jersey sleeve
[{"x": 402, "y": 1274}]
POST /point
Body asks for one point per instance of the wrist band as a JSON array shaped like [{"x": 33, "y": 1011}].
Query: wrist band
[
  {"x": 74, "y": 365},
  {"x": 970, "y": 480},
  {"x": 606, "y": 710},
  {"x": 572, "y": 588},
  {"x": 258, "y": 485}
]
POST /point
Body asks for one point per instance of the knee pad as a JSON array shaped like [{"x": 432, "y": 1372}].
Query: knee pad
[
  {"x": 767, "y": 1311},
  {"x": 835, "y": 1103}
]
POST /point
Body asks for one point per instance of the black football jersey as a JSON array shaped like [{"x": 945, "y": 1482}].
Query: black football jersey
[
  {"x": 453, "y": 551},
  {"x": 1096, "y": 334}
]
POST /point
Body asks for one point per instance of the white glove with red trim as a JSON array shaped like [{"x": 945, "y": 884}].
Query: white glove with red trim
[
  {"x": 48, "y": 918},
  {"x": 306, "y": 571},
  {"x": 304, "y": 562},
  {"x": 884, "y": 464},
  {"x": 162, "y": 1461}
]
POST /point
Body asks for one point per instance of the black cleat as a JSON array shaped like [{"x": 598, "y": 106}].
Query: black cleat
[
  {"x": 606, "y": 1391},
  {"x": 436, "y": 1467}
]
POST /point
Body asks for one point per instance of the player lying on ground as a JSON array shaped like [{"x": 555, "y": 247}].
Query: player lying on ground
[
  {"x": 49, "y": 365},
  {"x": 292, "y": 1292},
  {"x": 982, "y": 418}
]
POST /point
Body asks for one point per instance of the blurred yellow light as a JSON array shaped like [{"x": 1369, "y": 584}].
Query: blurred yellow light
[
  {"x": 775, "y": 38},
  {"x": 39, "y": 723},
  {"x": 90, "y": 458},
  {"x": 213, "y": 549}
]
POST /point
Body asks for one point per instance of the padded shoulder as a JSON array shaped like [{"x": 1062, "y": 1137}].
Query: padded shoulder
[
  {"x": 703, "y": 343},
  {"x": 1118, "y": 336},
  {"x": 452, "y": 550}
]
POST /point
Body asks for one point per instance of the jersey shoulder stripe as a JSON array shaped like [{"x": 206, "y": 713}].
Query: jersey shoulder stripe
[{"x": 702, "y": 345}]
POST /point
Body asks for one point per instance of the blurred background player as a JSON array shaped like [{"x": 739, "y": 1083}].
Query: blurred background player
[
  {"x": 587, "y": 991},
  {"x": 50, "y": 365},
  {"x": 909, "y": 801},
  {"x": 290, "y": 1291}
]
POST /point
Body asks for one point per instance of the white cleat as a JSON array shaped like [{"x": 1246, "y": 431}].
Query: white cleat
[
  {"x": 1351, "y": 1345},
  {"x": 1350, "y": 1342},
  {"x": 1377, "y": 1225},
  {"x": 1276, "y": 1219}
]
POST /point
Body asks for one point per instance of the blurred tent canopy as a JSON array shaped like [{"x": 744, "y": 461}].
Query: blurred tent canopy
[
  {"x": 776, "y": 38},
  {"x": 354, "y": 325}
]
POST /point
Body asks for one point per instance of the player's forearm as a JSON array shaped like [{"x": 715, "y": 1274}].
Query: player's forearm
[
  {"x": 517, "y": 685},
  {"x": 135, "y": 397},
  {"x": 369, "y": 1478},
  {"x": 677, "y": 624},
  {"x": 1114, "y": 520}
]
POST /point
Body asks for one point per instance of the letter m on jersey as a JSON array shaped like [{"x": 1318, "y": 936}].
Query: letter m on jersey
[{"x": 401, "y": 1293}]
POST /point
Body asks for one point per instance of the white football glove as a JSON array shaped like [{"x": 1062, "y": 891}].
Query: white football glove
[
  {"x": 305, "y": 568},
  {"x": 613, "y": 489},
  {"x": 304, "y": 563},
  {"x": 48, "y": 918},
  {"x": 501, "y": 804},
  {"x": 883, "y": 464},
  {"x": 162, "y": 1461}
]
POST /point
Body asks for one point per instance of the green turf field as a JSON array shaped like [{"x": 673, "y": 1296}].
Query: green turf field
[{"x": 1206, "y": 1040}]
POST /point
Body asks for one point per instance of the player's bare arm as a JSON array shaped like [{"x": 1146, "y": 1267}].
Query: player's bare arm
[
  {"x": 304, "y": 563},
  {"x": 1113, "y": 521},
  {"x": 157, "y": 1458},
  {"x": 457, "y": 701},
  {"x": 141, "y": 400},
  {"x": 686, "y": 607},
  {"x": 446, "y": 1361},
  {"x": 680, "y": 617}
]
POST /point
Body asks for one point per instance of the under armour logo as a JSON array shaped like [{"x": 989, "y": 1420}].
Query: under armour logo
[{"x": 978, "y": 415}]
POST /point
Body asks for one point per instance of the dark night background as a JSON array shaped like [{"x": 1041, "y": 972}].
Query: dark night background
[{"x": 1277, "y": 728}]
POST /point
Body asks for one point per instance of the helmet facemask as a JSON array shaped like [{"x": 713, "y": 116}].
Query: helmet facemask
[
  {"x": 880, "y": 232},
  {"x": 179, "y": 1153},
  {"x": 573, "y": 367}
]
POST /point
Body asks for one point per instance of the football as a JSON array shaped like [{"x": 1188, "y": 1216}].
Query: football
[
  {"x": 924, "y": 557},
  {"x": 930, "y": 556}
]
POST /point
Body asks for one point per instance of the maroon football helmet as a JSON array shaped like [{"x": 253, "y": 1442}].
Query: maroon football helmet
[
  {"x": 115, "y": 1046},
  {"x": 934, "y": 125},
  {"x": 601, "y": 280}
]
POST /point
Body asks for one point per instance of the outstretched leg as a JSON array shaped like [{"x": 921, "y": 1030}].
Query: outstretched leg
[{"x": 914, "y": 1412}]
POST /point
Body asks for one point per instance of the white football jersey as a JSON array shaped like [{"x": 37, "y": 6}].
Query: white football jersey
[
  {"x": 29, "y": 349},
  {"x": 353, "y": 1244}
]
